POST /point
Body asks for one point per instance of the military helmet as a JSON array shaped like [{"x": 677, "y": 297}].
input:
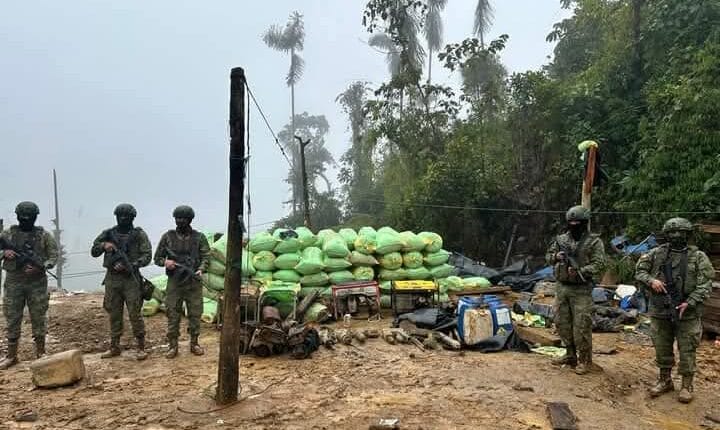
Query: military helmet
[
  {"x": 183, "y": 211},
  {"x": 27, "y": 209},
  {"x": 577, "y": 213},
  {"x": 677, "y": 224},
  {"x": 125, "y": 209}
]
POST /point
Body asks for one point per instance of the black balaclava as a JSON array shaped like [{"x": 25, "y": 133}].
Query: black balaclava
[
  {"x": 577, "y": 229},
  {"x": 678, "y": 240},
  {"x": 26, "y": 222},
  {"x": 183, "y": 225},
  {"x": 124, "y": 223}
]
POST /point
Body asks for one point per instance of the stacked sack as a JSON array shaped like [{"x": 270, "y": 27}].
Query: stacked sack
[{"x": 291, "y": 263}]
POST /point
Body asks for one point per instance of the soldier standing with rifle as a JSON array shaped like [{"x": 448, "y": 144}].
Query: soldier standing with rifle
[
  {"x": 184, "y": 253},
  {"x": 577, "y": 257},
  {"x": 678, "y": 278},
  {"x": 126, "y": 249},
  {"x": 28, "y": 252}
]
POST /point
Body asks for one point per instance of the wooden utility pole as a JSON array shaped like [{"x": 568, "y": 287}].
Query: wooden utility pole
[
  {"x": 228, "y": 362},
  {"x": 56, "y": 233},
  {"x": 306, "y": 195}
]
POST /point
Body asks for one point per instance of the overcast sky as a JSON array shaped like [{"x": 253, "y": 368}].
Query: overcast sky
[{"x": 128, "y": 100}]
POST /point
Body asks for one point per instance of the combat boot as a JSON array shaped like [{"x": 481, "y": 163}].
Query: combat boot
[
  {"x": 114, "y": 350},
  {"x": 686, "y": 392},
  {"x": 664, "y": 384},
  {"x": 140, "y": 354},
  {"x": 195, "y": 348},
  {"x": 11, "y": 355},
  {"x": 172, "y": 351},
  {"x": 39, "y": 347},
  {"x": 583, "y": 368},
  {"x": 569, "y": 359}
]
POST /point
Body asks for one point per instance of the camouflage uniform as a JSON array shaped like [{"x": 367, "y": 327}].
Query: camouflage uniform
[
  {"x": 692, "y": 274},
  {"x": 27, "y": 289},
  {"x": 192, "y": 251},
  {"x": 121, "y": 288},
  {"x": 573, "y": 295}
]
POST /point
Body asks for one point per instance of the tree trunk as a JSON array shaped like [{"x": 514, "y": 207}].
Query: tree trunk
[
  {"x": 429, "y": 66},
  {"x": 292, "y": 134}
]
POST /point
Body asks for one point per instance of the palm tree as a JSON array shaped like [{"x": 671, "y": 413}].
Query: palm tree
[
  {"x": 434, "y": 30},
  {"x": 483, "y": 19},
  {"x": 290, "y": 40},
  {"x": 384, "y": 43}
]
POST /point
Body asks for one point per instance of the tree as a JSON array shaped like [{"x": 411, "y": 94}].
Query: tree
[
  {"x": 433, "y": 30},
  {"x": 384, "y": 44},
  {"x": 317, "y": 156},
  {"x": 483, "y": 19},
  {"x": 290, "y": 40}
]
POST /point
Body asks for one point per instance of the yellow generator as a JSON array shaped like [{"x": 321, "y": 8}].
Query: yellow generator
[{"x": 407, "y": 296}]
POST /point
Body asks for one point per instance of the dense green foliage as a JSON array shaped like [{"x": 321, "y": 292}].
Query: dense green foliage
[{"x": 642, "y": 77}]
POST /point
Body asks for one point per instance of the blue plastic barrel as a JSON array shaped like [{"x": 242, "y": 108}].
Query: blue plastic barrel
[
  {"x": 501, "y": 317},
  {"x": 464, "y": 304}
]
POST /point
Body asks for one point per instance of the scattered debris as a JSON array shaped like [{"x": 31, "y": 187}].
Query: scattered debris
[
  {"x": 605, "y": 350},
  {"x": 713, "y": 416},
  {"x": 26, "y": 416},
  {"x": 386, "y": 424},
  {"x": 523, "y": 388},
  {"x": 561, "y": 417}
]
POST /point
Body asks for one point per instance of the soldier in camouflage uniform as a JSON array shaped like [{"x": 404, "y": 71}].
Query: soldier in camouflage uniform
[
  {"x": 184, "y": 253},
  {"x": 26, "y": 281},
  {"x": 692, "y": 274},
  {"x": 122, "y": 283},
  {"x": 577, "y": 257}
]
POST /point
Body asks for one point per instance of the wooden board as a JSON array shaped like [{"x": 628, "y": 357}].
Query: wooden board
[
  {"x": 711, "y": 228},
  {"x": 561, "y": 417},
  {"x": 538, "y": 336}
]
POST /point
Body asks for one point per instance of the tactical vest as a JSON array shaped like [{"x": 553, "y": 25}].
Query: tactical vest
[
  {"x": 24, "y": 241},
  {"x": 186, "y": 248},
  {"x": 128, "y": 243},
  {"x": 579, "y": 250},
  {"x": 685, "y": 279}
]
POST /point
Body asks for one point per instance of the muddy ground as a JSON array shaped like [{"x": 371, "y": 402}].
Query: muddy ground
[{"x": 345, "y": 388}]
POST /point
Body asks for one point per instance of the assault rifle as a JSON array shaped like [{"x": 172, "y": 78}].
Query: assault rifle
[
  {"x": 673, "y": 296},
  {"x": 24, "y": 257},
  {"x": 183, "y": 268},
  {"x": 119, "y": 255},
  {"x": 570, "y": 258}
]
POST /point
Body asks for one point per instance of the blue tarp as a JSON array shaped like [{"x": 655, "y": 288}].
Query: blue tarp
[{"x": 623, "y": 244}]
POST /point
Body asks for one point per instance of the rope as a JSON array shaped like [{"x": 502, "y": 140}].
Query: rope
[{"x": 262, "y": 114}]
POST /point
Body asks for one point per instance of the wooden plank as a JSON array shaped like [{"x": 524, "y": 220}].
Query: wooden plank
[
  {"x": 538, "y": 336},
  {"x": 711, "y": 228},
  {"x": 561, "y": 417}
]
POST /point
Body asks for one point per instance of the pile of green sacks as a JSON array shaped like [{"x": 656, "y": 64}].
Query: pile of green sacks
[{"x": 297, "y": 262}]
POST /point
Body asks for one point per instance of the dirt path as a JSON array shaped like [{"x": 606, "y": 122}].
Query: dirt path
[{"x": 348, "y": 388}]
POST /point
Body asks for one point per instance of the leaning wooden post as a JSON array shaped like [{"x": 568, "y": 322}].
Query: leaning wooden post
[
  {"x": 228, "y": 362},
  {"x": 589, "y": 176}
]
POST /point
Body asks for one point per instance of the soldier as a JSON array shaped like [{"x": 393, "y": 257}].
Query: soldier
[
  {"x": 577, "y": 257},
  {"x": 27, "y": 251},
  {"x": 678, "y": 279},
  {"x": 184, "y": 253},
  {"x": 122, "y": 245}
]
